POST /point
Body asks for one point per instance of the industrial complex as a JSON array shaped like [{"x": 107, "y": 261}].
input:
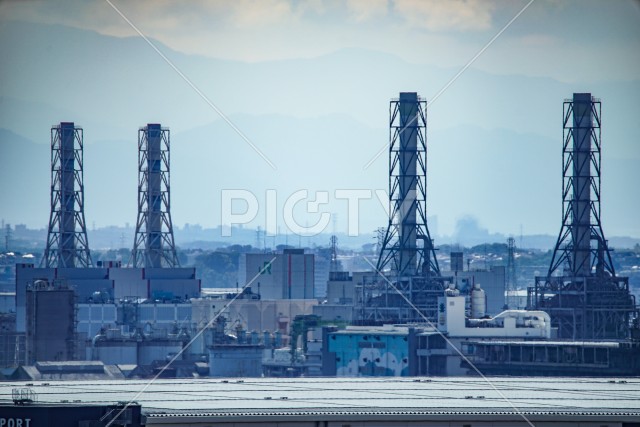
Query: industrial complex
[{"x": 82, "y": 322}]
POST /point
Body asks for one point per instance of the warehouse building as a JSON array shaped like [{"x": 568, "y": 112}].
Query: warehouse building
[{"x": 361, "y": 402}]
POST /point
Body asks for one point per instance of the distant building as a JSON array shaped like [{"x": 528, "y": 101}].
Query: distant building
[
  {"x": 371, "y": 351},
  {"x": 253, "y": 315},
  {"x": 426, "y": 349},
  {"x": 51, "y": 323},
  {"x": 554, "y": 358},
  {"x": 341, "y": 298},
  {"x": 492, "y": 280},
  {"x": 109, "y": 283},
  {"x": 291, "y": 274}
]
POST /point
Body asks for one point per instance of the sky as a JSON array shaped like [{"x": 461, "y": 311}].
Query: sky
[
  {"x": 563, "y": 45},
  {"x": 547, "y": 39}
]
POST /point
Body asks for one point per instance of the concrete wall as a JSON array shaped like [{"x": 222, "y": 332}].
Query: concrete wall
[
  {"x": 235, "y": 361},
  {"x": 114, "y": 353},
  {"x": 157, "y": 350}
]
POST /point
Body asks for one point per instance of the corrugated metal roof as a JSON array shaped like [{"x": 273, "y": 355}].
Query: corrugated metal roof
[
  {"x": 457, "y": 395},
  {"x": 608, "y": 344}
]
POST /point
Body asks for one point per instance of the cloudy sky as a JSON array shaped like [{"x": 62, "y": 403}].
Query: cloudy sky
[
  {"x": 549, "y": 39},
  {"x": 551, "y": 48}
]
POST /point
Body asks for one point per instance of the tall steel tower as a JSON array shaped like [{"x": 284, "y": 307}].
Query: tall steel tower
[
  {"x": 581, "y": 192},
  {"x": 67, "y": 244},
  {"x": 407, "y": 246},
  {"x": 154, "y": 243},
  {"x": 581, "y": 292},
  {"x": 412, "y": 284}
]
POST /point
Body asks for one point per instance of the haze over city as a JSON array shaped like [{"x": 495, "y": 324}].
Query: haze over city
[
  {"x": 319, "y": 212},
  {"x": 309, "y": 83}
]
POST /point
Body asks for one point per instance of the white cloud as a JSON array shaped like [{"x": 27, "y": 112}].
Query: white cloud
[
  {"x": 452, "y": 15},
  {"x": 365, "y": 10},
  {"x": 255, "y": 13}
]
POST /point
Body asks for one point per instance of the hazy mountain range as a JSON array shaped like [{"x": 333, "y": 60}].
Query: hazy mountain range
[{"x": 494, "y": 140}]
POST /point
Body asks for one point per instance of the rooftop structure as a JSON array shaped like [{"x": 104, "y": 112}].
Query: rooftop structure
[{"x": 365, "y": 401}]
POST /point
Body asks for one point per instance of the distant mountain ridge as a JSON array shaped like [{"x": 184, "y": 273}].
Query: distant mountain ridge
[{"x": 494, "y": 141}]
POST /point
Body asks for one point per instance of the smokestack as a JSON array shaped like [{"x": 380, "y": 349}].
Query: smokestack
[
  {"x": 407, "y": 243},
  {"x": 581, "y": 209},
  {"x": 408, "y": 180},
  {"x": 154, "y": 245},
  {"x": 67, "y": 244}
]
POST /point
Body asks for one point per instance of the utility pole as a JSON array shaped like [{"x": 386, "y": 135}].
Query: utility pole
[{"x": 511, "y": 273}]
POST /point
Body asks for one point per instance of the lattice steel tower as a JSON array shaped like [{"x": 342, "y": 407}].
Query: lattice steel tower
[
  {"x": 67, "y": 244},
  {"x": 407, "y": 246},
  {"x": 581, "y": 292},
  {"x": 412, "y": 283},
  {"x": 154, "y": 243}
]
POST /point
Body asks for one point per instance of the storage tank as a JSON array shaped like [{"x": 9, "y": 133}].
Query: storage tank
[{"x": 478, "y": 302}]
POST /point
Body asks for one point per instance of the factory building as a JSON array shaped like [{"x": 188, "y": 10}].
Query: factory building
[
  {"x": 50, "y": 333},
  {"x": 73, "y": 309},
  {"x": 554, "y": 358},
  {"x": 133, "y": 332},
  {"x": 427, "y": 349},
  {"x": 252, "y": 314},
  {"x": 381, "y": 351},
  {"x": 286, "y": 275},
  {"x": 238, "y": 355},
  {"x": 344, "y": 299},
  {"x": 340, "y": 302},
  {"x": 492, "y": 280},
  {"x": 109, "y": 284}
]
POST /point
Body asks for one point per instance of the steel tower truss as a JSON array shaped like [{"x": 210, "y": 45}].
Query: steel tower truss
[
  {"x": 586, "y": 300},
  {"x": 67, "y": 243},
  {"x": 154, "y": 243},
  {"x": 407, "y": 256},
  {"x": 581, "y": 154},
  {"x": 408, "y": 192}
]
